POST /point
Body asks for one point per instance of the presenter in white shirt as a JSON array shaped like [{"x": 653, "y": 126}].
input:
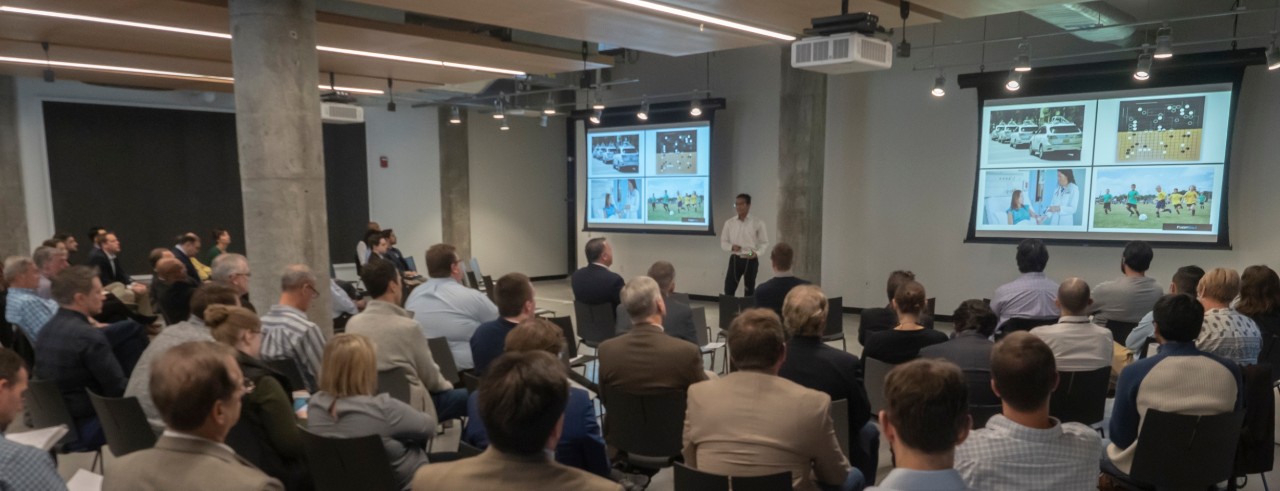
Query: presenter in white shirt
[
  {"x": 1062, "y": 209},
  {"x": 745, "y": 238}
]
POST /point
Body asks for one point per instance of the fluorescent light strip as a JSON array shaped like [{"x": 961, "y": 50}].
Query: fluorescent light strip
[
  {"x": 196, "y": 32},
  {"x": 707, "y": 19},
  {"x": 154, "y": 73}
]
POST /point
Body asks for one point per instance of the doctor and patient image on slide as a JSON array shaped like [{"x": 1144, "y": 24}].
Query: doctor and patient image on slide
[
  {"x": 1036, "y": 197},
  {"x": 616, "y": 199},
  {"x": 1153, "y": 197}
]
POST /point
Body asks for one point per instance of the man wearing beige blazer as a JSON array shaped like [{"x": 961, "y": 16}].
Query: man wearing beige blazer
[
  {"x": 753, "y": 422},
  {"x": 521, "y": 401},
  {"x": 197, "y": 387},
  {"x": 645, "y": 360},
  {"x": 400, "y": 344}
]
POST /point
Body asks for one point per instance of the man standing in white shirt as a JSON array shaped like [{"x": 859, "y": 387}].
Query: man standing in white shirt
[
  {"x": 744, "y": 237},
  {"x": 1078, "y": 345}
]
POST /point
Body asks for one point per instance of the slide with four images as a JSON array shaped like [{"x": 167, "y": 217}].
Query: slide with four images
[
  {"x": 1148, "y": 164},
  {"x": 649, "y": 176}
]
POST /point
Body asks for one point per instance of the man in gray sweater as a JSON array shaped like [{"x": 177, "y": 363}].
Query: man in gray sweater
[
  {"x": 1132, "y": 295},
  {"x": 400, "y": 344}
]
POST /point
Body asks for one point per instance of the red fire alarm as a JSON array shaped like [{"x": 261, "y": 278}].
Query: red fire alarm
[{"x": 383, "y": 161}]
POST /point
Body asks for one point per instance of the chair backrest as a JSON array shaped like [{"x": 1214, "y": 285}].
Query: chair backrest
[
  {"x": 983, "y": 402},
  {"x": 290, "y": 370},
  {"x": 1015, "y": 324},
  {"x": 488, "y": 288},
  {"x": 839, "y": 411},
  {"x": 690, "y": 479},
  {"x": 645, "y": 425},
  {"x": 1120, "y": 329},
  {"x": 123, "y": 423},
  {"x": 700, "y": 330},
  {"x": 983, "y": 413},
  {"x": 930, "y": 305},
  {"x": 340, "y": 464},
  {"x": 570, "y": 339},
  {"x": 362, "y": 253},
  {"x": 443, "y": 357},
  {"x": 731, "y": 306},
  {"x": 1257, "y": 450},
  {"x": 395, "y": 382},
  {"x": 834, "y": 328},
  {"x": 874, "y": 372},
  {"x": 1149, "y": 348},
  {"x": 1081, "y": 396},
  {"x": 475, "y": 267},
  {"x": 466, "y": 450},
  {"x": 1186, "y": 452},
  {"x": 413, "y": 265},
  {"x": 596, "y": 322},
  {"x": 470, "y": 381},
  {"x": 44, "y": 403},
  {"x": 1271, "y": 355}
]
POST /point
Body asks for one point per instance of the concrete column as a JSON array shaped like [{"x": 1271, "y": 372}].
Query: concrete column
[
  {"x": 801, "y": 154},
  {"x": 281, "y": 148},
  {"x": 455, "y": 182},
  {"x": 13, "y": 208}
]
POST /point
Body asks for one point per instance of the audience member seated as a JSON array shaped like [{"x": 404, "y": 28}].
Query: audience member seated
[
  {"x": 1025, "y": 448},
  {"x": 813, "y": 364},
  {"x": 198, "y": 389},
  {"x": 445, "y": 308},
  {"x": 106, "y": 259},
  {"x": 267, "y": 434},
  {"x": 92, "y": 235},
  {"x": 926, "y": 415},
  {"x": 346, "y": 407},
  {"x": 1179, "y": 379},
  {"x": 1260, "y": 300},
  {"x": 185, "y": 251},
  {"x": 1185, "y": 280},
  {"x": 1078, "y": 345},
  {"x": 903, "y": 343},
  {"x": 23, "y": 307},
  {"x": 522, "y": 403},
  {"x": 595, "y": 284},
  {"x": 877, "y": 319},
  {"x": 970, "y": 349},
  {"x": 678, "y": 322},
  {"x": 50, "y": 262},
  {"x": 22, "y": 467},
  {"x": 221, "y": 240},
  {"x": 645, "y": 360},
  {"x": 68, "y": 242},
  {"x": 580, "y": 444},
  {"x": 400, "y": 344},
  {"x": 772, "y": 293},
  {"x": 1129, "y": 297},
  {"x": 394, "y": 254},
  {"x": 1030, "y": 295},
  {"x": 377, "y": 243},
  {"x": 232, "y": 270},
  {"x": 362, "y": 249},
  {"x": 76, "y": 354},
  {"x": 1226, "y": 332},
  {"x": 54, "y": 243},
  {"x": 341, "y": 304},
  {"x": 514, "y": 295},
  {"x": 173, "y": 290},
  {"x": 287, "y": 333},
  {"x": 191, "y": 329},
  {"x": 787, "y": 428}
]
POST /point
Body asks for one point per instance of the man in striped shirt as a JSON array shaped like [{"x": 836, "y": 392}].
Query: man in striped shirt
[{"x": 287, "y": 334}]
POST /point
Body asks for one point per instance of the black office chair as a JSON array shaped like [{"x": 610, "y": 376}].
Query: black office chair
[
  {"x": 834, "y": 329},
  {"x": 341, "y": 464},
  {"x": 1015, "y": 324},
  {"x": 470, "y": 381},
  {"x": 1081, "y": 396},
  {"x": 839, "y": 411},
  {"x": 466, "y": 450},
  {"x": 874, "y": 373},
  {"x": 983, "y": 402},
  {"x": 1178, "y": 451},
  {"x": 596, "y": 322},
  {"x": 700, "y": 334},
  {"x": 1149, "y": 348},
  {"x": 124, "y": 424},
  {"x": 394, "y": 382},
  {"x": 46, "y": 407},
  {"x": 646, "y": 430},
  {"x": 690, "y": 479},
  {"x": 1120, "y": 330},
  {"x": 291, "y": 372},
  {"x": 443, "y": 356},
  {"x": 571, "y": 342}
]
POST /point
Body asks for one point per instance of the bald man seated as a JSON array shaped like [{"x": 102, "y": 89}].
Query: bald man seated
[{"x": 1078, "y": 345}]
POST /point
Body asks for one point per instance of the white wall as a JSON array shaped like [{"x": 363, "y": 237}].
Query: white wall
[
  {"x": 405, "y": 196},
  {"x": 518, "y": 191},
  {"x": 899, "y": 187},
  {"x": 744, "y": 159}
]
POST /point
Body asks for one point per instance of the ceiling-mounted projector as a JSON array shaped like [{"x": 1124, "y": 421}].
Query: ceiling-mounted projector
[{"x": 842, "y": 44}]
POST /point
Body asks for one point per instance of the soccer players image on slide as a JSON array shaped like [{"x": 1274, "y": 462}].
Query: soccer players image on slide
[
  {"x": 1106, "y": 202},
  {"x": 1190, "y": 198},
  {"x": 1062, "y": 209},
  {"x": 1176, "y": 199},
  {"x": 1131, "y": 205},
  {"x": 1160, "y": 202}
]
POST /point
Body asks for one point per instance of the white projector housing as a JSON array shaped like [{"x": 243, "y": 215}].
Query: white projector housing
[
  {"x": 331, "y": 112},
  {"x": 842, "y": 53}
]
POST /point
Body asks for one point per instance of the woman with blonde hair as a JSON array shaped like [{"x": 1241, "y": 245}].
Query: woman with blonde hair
[
  {"x": 267, "y": 434},
  {"x": 1226, "y": 332},
  {"x": 346, "y": 406},
  {"x": 581, "y": 444}
]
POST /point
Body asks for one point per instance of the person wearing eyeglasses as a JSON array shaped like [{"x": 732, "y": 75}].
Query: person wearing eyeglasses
[
  {"x": 198, "y": 389},
  {"x": 287, "y": 333}
]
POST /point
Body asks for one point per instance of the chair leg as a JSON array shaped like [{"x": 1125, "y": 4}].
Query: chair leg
[{"x": 98, "y": 463}]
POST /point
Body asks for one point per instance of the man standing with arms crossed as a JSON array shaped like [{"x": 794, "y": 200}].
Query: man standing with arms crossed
[{"x": 745, "y": 238}]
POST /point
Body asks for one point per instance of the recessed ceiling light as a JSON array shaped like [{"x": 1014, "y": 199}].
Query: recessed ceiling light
[{"x": 666, "y": 9}]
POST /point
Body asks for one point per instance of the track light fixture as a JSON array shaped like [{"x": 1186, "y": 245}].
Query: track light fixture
[
  {"x": 597, "y": 101},
  {"x": 1022, "y": 62},
  {"x": 939, "y": 86},
  {"x": 391, "y": 104},
  {"x": 595, "y": 116},
  {"x": 644, "y": 110},
  {"x": 550, "y": 108},
  {"x": 1273, "y": 56},
  {"x": 504, "y": 126},
  {"x": 1015, "y": 81},
  {"x": 48, "y": 69},
  {"x": 499, "y": 111},
  {"x": 1164, "y": 43},
  {"x": 455, "y": 117},
  {"x": 696, "y": 109},
  {"x": 1144, "y": 67}
]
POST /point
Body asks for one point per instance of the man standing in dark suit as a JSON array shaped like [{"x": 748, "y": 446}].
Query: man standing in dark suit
[
  {"x": 771, "y": 294},
  {"x": 188, "y": 245},
  {"x": 595, "y": 284},
  {"x": 679, "y": 319}
]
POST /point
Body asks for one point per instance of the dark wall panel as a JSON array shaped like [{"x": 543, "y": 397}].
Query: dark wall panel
[{"x": 150, "y": 174}]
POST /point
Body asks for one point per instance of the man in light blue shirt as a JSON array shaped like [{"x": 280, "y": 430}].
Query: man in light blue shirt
[
  {"x": 24, "y": 307},
  {"x": 21, "y": 467},
  {"x": 924, "y": 441},
  {"x": 445, "y": 308},
  {"x": 1184, "y": 281},
  {"x": 1030, "y": 295}
]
